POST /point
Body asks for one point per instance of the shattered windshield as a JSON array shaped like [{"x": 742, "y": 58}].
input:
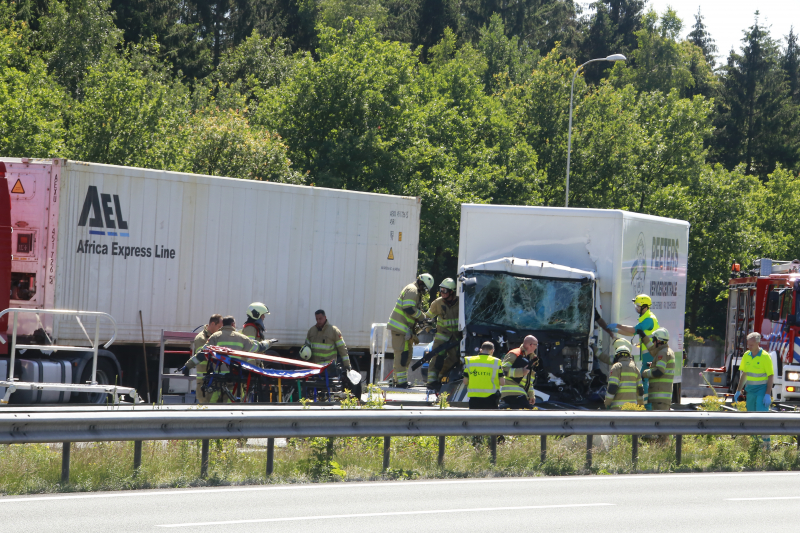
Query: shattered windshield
[{"x": 524, "y": 303}]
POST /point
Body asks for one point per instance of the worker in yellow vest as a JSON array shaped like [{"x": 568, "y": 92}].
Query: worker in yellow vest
[
  {"x": 756, "y": 377},
  {"x": 483, "y": 377},
  {"x": 445, "y": 310}
]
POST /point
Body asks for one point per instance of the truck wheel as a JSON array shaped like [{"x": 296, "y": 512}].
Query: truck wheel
[{"x": 106, "y": 375}]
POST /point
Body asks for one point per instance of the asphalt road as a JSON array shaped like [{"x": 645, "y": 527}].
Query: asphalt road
[{"x": 639, "y": 503}]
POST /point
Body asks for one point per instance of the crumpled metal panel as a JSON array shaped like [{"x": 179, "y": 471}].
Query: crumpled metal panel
[{"x": 529, "y": 303}]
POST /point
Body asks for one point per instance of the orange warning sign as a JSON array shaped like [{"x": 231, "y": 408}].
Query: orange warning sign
[
  {"x": 399, "y": 235},
  {"x": 391, "y": 255},
  {"x": 17, "y": 188}
]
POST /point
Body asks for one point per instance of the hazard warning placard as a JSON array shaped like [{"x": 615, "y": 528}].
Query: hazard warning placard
[
  {"x": 18, "y": 188},
  {"x": 391, "y": 255}
]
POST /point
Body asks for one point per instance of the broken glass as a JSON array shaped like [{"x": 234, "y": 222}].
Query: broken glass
[{"x": 524, "y": 303}]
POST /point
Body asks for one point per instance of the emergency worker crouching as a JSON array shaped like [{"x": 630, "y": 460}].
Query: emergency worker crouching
[
  {"x": 624, "y": 381},
  {"x": 518, "y": 393},
  {"x": 405, "y": 315},
  {"x": 483, "y": 377}
]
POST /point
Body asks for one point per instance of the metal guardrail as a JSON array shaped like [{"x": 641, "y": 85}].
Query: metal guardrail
[{"x": 139, "y": 424}]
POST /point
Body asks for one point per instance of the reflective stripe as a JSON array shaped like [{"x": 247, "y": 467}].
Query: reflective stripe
[
  {"x": 482, "y": 384},
  {"x": 756, "y": 379}
]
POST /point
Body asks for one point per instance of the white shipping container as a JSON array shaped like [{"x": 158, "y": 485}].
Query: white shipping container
[
  {"x": 630, "y": 253},
  {"x": 180, "y": 247}
]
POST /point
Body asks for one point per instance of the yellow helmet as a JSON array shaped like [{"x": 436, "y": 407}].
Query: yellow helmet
[
  {"x": 427, "y": 279},
  {"x": 448, "y": 284},
  {"x": 256, "y": 310},
  {"x": 643, "y": 299}
]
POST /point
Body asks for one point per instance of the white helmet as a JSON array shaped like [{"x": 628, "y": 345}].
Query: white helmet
[
  {"x": 661, "y": 334},
  {"x": 427, "y": 279},
  {"x": 257, "y": 310},
  {"x": 305, "y": 352}
]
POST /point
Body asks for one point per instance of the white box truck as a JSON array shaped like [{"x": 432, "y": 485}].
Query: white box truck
[
  {"x": 544, "y": 270},
  {"x": 180, "y": 247}
]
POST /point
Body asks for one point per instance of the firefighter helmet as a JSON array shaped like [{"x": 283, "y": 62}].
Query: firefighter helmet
[
  {"x": 427, "y": 279},
  {"x": 661, "y": 334},
  {"x": 257, "y": 310},
  {"x": 448, "y": 284},
  {"x": 643, "y": 299},
  {"x": 622, "y": 349},
  {"x": 622, "y": 342},
  {"x": 305, "y": 352}
]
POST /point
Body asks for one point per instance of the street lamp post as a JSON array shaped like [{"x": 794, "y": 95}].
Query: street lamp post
[{"x": 613, "y": 57}]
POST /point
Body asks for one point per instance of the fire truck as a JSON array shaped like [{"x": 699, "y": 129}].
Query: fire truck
[{"x": 764, "y": 300}]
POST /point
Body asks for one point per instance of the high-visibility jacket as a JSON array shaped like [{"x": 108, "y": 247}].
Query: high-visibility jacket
[
  {"x": 194, "y": 362},
  {"x": 200, "y": 340},
  {"x": 624, "y": 384},
  {"x": 648, "y": 323},
  {"x": 515, "y": 382},
  {"x": 660, "y": 373},
  {"x": 325, "y": 343},
  {"x": 757, "y": 369},
  {"x": 410, "y": 299},
  {"x": 446, "y": 320},
  {"x": 228, "y": 337},
  {"x": 484, "y": 372}
]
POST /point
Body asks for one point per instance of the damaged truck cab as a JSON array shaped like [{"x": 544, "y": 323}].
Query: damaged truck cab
[{"x": 506, "y": 299}]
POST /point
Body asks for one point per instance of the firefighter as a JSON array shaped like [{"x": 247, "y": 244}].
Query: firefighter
[
  {"x": 214, "y": 324},
  {"x": 661, "y": 370},
  {"x": 518, "y": 391},
  {"x": 323, "y": 342},
  {"x": 756, "y": 377},
  {"x": 483, "y": 377},
  {"x": 228, "y": 337},
  {"x": 616, "y": 344},
  {"x": 404, "y": 317},
  {"x": 645, "y": 327},
  {"x": 254, "y": 324},
  {"x": 445, "y": 310},
  {"x": 624, "y": 381}
]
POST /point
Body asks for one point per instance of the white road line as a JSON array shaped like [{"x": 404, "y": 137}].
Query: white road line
[
  {"x": 762, "y": 499},
  {"x": 359, "y": 485},
  {"x": 397, "y": 513}
]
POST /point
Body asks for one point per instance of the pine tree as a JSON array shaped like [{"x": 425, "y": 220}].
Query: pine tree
[
  {"x": 610, "y": 30},
  {"x": 791, "y": 65},
  {"x": 700, "y": 37},
  {"x": 757, "y": 121}
]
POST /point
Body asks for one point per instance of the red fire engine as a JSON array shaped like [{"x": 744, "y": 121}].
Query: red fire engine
[{"x": 764, "y": 301}]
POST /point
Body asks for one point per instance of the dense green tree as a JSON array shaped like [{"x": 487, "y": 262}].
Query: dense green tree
[
  {"x": 757, "y": 122},
  {"x": 610, "y": 29},
  {"x": 790, "y": 62},
  {"x": 700, "y": 37}
]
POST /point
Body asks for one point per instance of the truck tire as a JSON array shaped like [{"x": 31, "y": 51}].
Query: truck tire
[{"x": 106, "y": 375}]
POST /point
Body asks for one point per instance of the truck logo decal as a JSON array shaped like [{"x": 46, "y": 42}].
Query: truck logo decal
[
  {"x": 639, "y": 267},
  {"x": 103, "y": 218}
]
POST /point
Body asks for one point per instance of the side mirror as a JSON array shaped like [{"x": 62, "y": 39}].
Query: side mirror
[{"x": 468, "y": 283}]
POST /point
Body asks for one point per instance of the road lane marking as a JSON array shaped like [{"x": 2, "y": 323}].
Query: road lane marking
[
  {"x": 396, "y": 513},
  {"x": 762, "y": 499},
  {"x": 387, "y": 484}
]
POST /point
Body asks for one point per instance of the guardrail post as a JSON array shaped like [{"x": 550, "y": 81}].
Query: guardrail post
[
  {"x": 270, "y": 456},
  {"x": 493, "y": 449},
  {"x": 589, "y": 451},
  {"x": 137, "y": 456},
  {"x": 329, "y": 449},
  {"x": 678, "y": 448},
  {"x": 635, "y": 450},
  {"x": 440, "y": 459},
  {"x": 65, "y": 451},
  {"x": 387, "y": 446},
  {"x": 543, "y": 439},
  {"x": 204, "y": 460}
]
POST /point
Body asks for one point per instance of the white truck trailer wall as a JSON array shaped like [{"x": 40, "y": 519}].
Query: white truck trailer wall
[
  {"x": 630, "y": 253},
  {"x": 182, "y": 246}
]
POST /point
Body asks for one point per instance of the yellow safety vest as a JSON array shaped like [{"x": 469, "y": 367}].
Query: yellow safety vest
[
  {"x": 758, "y": 369},
  {"x": 484, "y": 372}
]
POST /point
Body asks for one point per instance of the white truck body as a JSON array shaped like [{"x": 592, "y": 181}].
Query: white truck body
[
  {"x": 180, "y": 247},
  {"x": 629, "y": 253}
]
